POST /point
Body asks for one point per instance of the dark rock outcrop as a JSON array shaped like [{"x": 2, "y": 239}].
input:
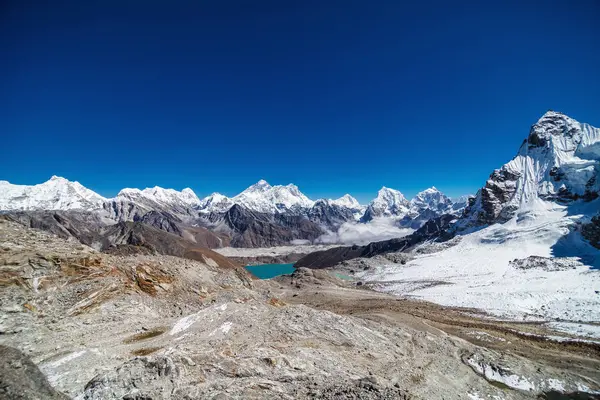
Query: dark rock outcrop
[
  {"x": 80, "y": 225},
  {"x": 253, "y": 229},
  {"x": 325, "y": 213},
  {"x": 144, "y": 236},
  {"x": 21, "y": 379},
  {"x": 591, "y": 231},
  {"x": 161, "y": 220}
]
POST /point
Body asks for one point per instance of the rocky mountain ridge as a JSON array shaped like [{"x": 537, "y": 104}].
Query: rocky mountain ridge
[
  {"x": 558, "y": 162},
  {"x": 262, "y": 215}
]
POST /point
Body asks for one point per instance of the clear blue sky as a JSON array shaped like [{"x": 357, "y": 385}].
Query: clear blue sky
[{"x": 335, "y": 96}]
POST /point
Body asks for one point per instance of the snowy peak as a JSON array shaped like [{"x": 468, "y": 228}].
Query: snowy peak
[
  {"x": 265, "y": 198},
  {"x": 55, "y": 194},
  {"x": 390, "y": 198},
  {"x": 388, "y": 203},
  {"x": 559, "y": 161},
  {"x": 431, "y": 199},
  {"x": 259, "y": 187},
  {"x": 169, "y": 196},
  {"x": 216, "y": 202},
  {"x": 165, "y": 197},
  {"x": 347, "y": 201}
]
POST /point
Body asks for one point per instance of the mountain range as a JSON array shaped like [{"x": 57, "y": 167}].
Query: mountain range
[
  {"x": 556, "y": 164},
  {"x": 262, "y": 215},
  {"x": 545, "y": 198}
]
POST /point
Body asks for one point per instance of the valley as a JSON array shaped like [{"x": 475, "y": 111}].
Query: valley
[{"x": 145, "y": 295}]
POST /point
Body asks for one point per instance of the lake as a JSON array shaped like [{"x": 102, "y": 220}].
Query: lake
[{"x": 268, "y": 271}]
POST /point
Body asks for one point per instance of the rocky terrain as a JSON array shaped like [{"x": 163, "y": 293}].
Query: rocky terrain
[{"x": 110, "y": 326}]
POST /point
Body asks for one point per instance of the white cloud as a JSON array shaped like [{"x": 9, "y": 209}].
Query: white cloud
[
  {"x": 359, "y": 233},
  {"x": 299, "y": 242}
]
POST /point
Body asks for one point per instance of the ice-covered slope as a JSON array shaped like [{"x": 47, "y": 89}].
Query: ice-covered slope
[
  {"x": 510, "y": 270},
  {"x": 428, "y": 204},
  {"x": 55, "y": 194},
  {"x": 260, "y": 197},
  {"x": 388, "y": 203},
  {"x": 431, "y": 199},
  {"x": 158, "y": 195},
  {"x": 132, "y": 204},
  {"x": 265, "y": 198},
  {"x": 559, "y": 161},
  {"x": 216, "y": 202},
  {"x": 347, "y": 201},
  {"x": 525, "y": 247}
]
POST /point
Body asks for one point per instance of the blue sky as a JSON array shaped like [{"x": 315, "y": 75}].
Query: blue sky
[{"x": 335, "y": 96}]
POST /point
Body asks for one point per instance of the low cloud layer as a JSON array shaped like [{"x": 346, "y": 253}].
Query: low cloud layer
[{"x": 356, "y": 233}]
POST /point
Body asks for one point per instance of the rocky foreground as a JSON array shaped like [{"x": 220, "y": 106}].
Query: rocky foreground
[{"x": 144, "y": 326}]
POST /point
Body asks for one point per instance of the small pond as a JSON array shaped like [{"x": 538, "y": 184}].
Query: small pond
[{"x": 268, "y": 271}]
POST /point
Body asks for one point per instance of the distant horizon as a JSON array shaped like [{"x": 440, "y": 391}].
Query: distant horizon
[
  {"x": 335, "y": 97},
  {"x": 202, "y": 195}
]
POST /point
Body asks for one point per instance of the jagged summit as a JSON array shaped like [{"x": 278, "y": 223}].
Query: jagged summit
[
  {"x": 260, "y": 186},
  {"x": 160, "y": 195},
  {"x": 389, "y": 202},
  {"x": 265, "y": 198},
  {"x": 57, "y": 193},
  {"x": 559, "y": 161},
  {"x": 347, "y": 201}
]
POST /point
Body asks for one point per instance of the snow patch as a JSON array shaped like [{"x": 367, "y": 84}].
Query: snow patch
[
  {"x": 66, "y": 359},
  {"x": 500, "y": 375}
]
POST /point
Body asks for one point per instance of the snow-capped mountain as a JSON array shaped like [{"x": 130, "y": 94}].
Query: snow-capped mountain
[
  {"x": 388, "y": 203},
  {"x": 559, "y": 162},
  {"x": 332, "y": 214},
  {"x": 427, "y": 204},
  {"x": 348, "y": 202},
  {"x": 216, "y": 202},
  {"x": 260, "y": 197},
  {"x": 55, "y": 194},
  {"x": 431, "y": 199},
  {"x": 460, "y": 203},
  {"x": 132, "y": 204},
  {"x": 165, "y": 197},
  {"x": 265, "y": 198}
]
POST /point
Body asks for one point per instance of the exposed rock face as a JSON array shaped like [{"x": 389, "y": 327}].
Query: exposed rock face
[
  {"x": 148, "y": 378},
  {"x": 158, "y": 241},
  {"x": 88, "y": 228},
  {"x": 134, "y": 204},
  {"x": 435, "y": 228},
  {"x": 559, "y": 161},
  {"x": 215, "y": 203},
  {"x": 428, "y": 204},
  {"x": 119, "y": 209},
  {"x": 161, "y": 220},
  {"x": 78, "y": 225},
  {"x": 330, "y": 214},
  {"x": 591, "y": 231},
  {"x": 545, "y": 263},
  {"x": 21, "y": 379},
  {"x": 253, "y": 229}
]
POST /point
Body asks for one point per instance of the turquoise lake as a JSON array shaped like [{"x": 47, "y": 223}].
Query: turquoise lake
[{"x": 268, "y": 271}]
